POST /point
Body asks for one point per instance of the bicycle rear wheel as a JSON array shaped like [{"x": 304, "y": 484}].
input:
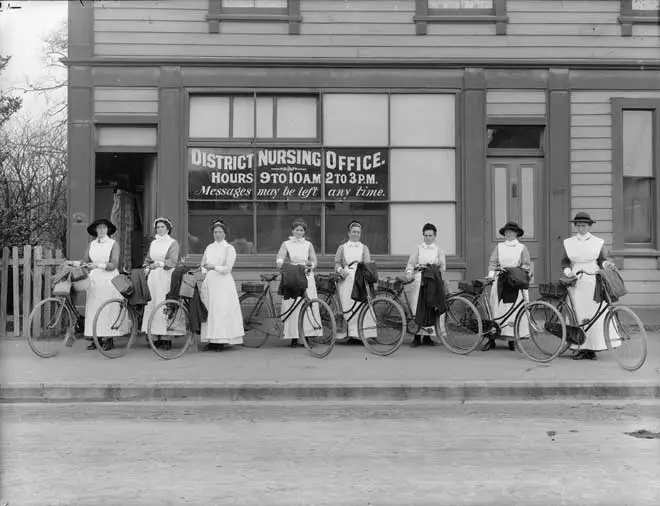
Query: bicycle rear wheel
[
  {"x": 171, "y": 318},
  {"x": 540, "y": 331},
  {"x": 49, "y": 327},
  {"x": 317, "y": 328},
  {"x": 255, "y": 312},
  {"x": 382, "y": 325},
  {"x": 115, "y": 327},
  {"x": 625, "y": 336},
  {"x": 463, "y": 330}
]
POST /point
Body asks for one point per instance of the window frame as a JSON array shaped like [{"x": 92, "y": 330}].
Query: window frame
[
  {"x": 290, "y": 15},
  {"x": 496, "y": 15},
  {"x": 620, "y": 247},
  {"x": 630, "y": 17},
  {"x": 456, "y": 261}
]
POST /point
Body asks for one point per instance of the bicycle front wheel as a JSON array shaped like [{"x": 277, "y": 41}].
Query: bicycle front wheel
[
  {"x": 49, "y": 327},
  {"x": 540, "y": 331},
  {"x": 463, "y": 328},
  {"x": 382, "y": 325},
  {"x": 115, "y": 327},
  {"x": 625, "y": 336},
  {"x": 317, "y": 328},
  {"x": 168, "y": 330},
  {"x": 255, "y": 313}
]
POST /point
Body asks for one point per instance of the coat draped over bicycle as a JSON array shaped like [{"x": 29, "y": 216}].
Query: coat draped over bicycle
[
  {"x": 297, "y": 252},
  {"x": 585, "y": 253},
  {"x": 424, "y": 254},
  {"x": 431, "y": 302},
  {"x": 224, "y": 324},
  {"x": 163, "y": 257},
  {"x": 105, "y": 253},
  {"x": 507, "y": 254},
  {"x": 352, "y": 252}
]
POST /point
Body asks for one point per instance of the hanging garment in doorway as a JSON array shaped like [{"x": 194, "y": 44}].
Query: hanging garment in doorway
[{"x": 123, "y": 216}]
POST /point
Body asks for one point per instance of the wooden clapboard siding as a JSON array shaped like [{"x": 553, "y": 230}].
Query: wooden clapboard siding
[
  {"x": 515, "y": 103},
  {"x": 537, "y": 29},
  {"x": 591, "y": 183},
  {"x": 125, "y": 101}
]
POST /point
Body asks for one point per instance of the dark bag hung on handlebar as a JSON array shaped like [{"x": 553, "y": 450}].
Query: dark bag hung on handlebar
[
  {"x": 366, "y": 274},
  {"x": 294, "y": 281},
  {"x": 609, "y": 284}
]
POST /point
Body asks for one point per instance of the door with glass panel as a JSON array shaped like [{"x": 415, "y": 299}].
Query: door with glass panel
[{"x": 515, "y": 193}]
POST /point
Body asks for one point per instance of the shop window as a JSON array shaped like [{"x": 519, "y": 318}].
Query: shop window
[
  {"x": 422, "y": 120},
  {"x": 636, "y": 12},
  {"x": 225, "y": 117},
  {"x": 287, "y": 11},
  {"x": 408, "y": 219},
  {"x": 515, "y": 137},
  {"x": 636, "y": 151},
  {"x": 461, "y": 11},
  {"x": 355, "y": 120},
  {"x": 357, "y": 170}
]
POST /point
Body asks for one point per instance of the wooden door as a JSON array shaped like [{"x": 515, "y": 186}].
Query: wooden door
[{"x": 515, "y": 193}]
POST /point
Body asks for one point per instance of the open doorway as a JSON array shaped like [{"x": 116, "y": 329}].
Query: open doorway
[{"x": 123, "y": 194}]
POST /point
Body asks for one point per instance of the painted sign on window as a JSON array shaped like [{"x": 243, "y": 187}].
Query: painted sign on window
[{"x": 273, "y": 174}]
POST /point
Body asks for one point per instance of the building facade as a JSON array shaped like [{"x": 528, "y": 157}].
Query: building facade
[{"x": 464, "y": 113}]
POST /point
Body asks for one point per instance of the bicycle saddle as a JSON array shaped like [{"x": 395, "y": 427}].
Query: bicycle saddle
[{"x": 268, "y": 277}]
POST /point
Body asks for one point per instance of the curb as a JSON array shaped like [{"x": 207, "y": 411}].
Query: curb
[{"x": 35, "y": 393}]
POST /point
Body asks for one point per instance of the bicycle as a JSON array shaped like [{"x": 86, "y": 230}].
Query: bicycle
[
  {"x": 54, "y": 321},
  {"x": 460, "y": 318},
  {"x": 125, "y": 324},
  {"x": 316, "y": 326},
  {"x": 534, "y": 315},
  {"x": 385, "y": 312},
  {"x": 617, "y": 318}
]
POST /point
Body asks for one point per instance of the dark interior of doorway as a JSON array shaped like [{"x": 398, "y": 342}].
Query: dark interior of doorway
[{"x": 121, "y": 183}]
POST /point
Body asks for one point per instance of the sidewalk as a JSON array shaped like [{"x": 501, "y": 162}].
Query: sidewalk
[{"x": 276, "y": 372}]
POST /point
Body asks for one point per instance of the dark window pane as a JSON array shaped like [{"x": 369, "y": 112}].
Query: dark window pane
[
  {"x": 237, "y": 216},
  {"x": 374, "y": 219},
  {"x": 515, "y": 137},
  {"x": 638, "y": 209},
  {"x": 274, "y": 224}
]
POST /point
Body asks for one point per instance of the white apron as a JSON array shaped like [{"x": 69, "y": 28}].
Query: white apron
[
  {"x": 100, "y": 290},
  {"x": 158, "y": 281},
  {"x": 427, "y": 255},
  {"x": 353, "y": 253},
  {"x": 225, "y": 321},
  {"x": 509, "y": 253},
  {"x": 298, "y": 254},
  {"x": 583, "y": 253}
]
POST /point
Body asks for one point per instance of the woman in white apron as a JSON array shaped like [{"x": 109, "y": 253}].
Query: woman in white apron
[
  {"x": 297, "y": 251},
  {"x": 224, "y": 325},
  {"x": 161, "y": 259},
  {"x": 101, "y": 258},
  {"x": 585, "y": 252},
  {"x": 427, "y": 253},
  {"x": 348, "y": 253},
  {"x": 508, "y": 253}
]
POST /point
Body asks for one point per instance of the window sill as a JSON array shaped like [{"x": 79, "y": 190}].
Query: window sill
[
  {"x": 291, "y": 16},
  {"x": 619, "y": 255},
  {"x": 461, "y": 18},
  {"x": 266, "y": 263},
  {"x": 256, "y": 16},
  {"x": 642, "y": 18}
]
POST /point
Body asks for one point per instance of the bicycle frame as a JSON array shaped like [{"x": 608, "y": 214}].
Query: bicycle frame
[
  {"x": 603, "y": 308},
  {"x": 267, "y": 298},
  {"x": 353, "y": 309}
]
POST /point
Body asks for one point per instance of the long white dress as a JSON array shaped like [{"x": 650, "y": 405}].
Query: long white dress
[
  {"x": 158, "y": 281},
  {"x": 225, "y": 321},
  {"x": 100, "y": 290},
  {"x": 424, "y": 254},
  {"x": 583, "y": 252},
  {"x": 298, "y": 252},
  {"x": 509, "y": 254},
  {"x": 353, "y": 251}
]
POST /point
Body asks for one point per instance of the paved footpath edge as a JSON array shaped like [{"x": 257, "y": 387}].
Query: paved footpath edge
[{"x": 34, "y": 393}]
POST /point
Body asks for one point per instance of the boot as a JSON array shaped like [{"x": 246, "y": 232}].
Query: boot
[
  {"x": 488, "y": 345},
  {"x": 293, "y": 343},
  {"x": 92, "y": 346},
  {"x": 417, "y": 341},
  {"x": 428, "y": 341},
  {"x": 108, "y": 344}
]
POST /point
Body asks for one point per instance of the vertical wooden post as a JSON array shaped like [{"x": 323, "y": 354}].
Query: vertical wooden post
[
  {"x": 37, "y": 287},
  {"x": 27, "y": 286},
  {"x": 17, "y": 293},
  {"x": 4, "y": 280}
]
